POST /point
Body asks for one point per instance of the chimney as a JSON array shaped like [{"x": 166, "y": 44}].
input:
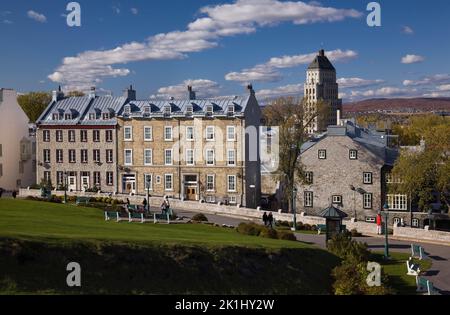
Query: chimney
[
  {"x": 192, "y": 94},
  {"x": 250, "y": 89},
  {"x": 92, "y": 92},
  {"x": 130, "y": 94},
  {"x": 57, "y": 95},
  {"x": 322, "y": 53},
  {"x": 338, "y": 120}
]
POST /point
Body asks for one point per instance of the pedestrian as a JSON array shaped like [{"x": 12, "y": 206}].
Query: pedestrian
[
  {"x": 145, "y": 203},
  {"x": 270, "y": 219},
  {"x": 1, "y": 192},
  {"x": 265, "y": 218},
  {"x": 14, "y": 194},
  {"x": 165, "y": 206},
  {"x": 379, "y": 224},
  {"x": 128, "y": 202}
]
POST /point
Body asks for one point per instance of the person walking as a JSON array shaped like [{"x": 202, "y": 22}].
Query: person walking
[
  {"x": 379, "y": 224},
  {"x": 270, "y": 219},
  {"x": 145, "y": 203},
  {"x": 165, "y": 206},
  {"x": 1, "y": 192},
  {"x": 265, "y": 218}
]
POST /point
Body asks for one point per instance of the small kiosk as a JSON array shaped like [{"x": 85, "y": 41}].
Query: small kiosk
[{"x": 334, "y": 218}]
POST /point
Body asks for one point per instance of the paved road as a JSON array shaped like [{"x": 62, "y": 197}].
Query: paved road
[{"x": 440, "y": 255}]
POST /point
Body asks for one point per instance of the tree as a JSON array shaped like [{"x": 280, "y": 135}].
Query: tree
[
  {"x": 289, "y": 115},
  {"x": 34, "y": 104},
  {"x": 75, "y": 94}
]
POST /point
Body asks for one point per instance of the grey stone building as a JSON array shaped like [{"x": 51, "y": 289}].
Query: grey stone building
[{"x": 348, "y": 167}]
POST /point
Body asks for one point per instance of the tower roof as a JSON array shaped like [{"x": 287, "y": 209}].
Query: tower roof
[{"x": 321, "y": 62}]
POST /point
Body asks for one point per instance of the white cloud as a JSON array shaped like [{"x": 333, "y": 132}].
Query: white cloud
[
  {"x": 407, "y": 30},
  {"x": 409, "y": 59},
  {"x": 387, "y": 91},
  {"x": 240, "y": 17},
  {"x": 267, "y": 72},
  {"x": 202, "y": 87},
  {"x": 135, "y": 11},
  {"x": 287, "y": 90},
  {"x": 445, "y": 87},
  {"x": 41, "y": 18},
  {"x": 357, "y": 82},
  {"x": 437, "y": 79}
]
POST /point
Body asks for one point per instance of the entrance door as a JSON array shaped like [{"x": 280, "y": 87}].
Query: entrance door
[
  {"x": 85, "y": 182},
  {"x": 72, "y": 181},
  {"x": 191, "y": 193},
  {"x": 129, "y": 184}
]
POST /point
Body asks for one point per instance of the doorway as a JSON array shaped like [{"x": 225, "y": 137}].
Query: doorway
[
  {"x": 191, "y": 187},
  {"x": 72, "y": 183},
  {"x": 129, "y": 184}
]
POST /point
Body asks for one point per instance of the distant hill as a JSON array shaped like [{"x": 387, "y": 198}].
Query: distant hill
[{"x": 399, "y": 105}]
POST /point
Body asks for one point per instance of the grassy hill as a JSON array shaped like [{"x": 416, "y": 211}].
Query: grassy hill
[{"x": 38, "y": 240}]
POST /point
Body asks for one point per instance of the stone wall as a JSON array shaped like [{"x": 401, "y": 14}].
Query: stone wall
[{"x": 422, "y": 235}]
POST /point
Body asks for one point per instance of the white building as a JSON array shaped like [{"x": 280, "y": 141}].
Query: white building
[
  {"x": 321, "y": 85},
  {"x": 17, "y": 147}
]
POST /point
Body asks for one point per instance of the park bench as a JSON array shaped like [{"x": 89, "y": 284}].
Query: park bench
[
  {"x": 109, "y": 215},
  {"x": 320, "y": 228},
  {"x": 418, "y": 252},
  {"x": 431, "y": 289},
  {"x": 134, "y": 216},
  {"x": 426, "y": 286},
  {"x": 162, "y": 216},
  {"x": 413, "y": 269},
  {"x": 83, "y": 200}
]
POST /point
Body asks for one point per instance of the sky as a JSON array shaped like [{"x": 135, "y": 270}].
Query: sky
[{"x": 219, "y": 46}]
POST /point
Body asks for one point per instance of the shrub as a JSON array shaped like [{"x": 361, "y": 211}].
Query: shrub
[
  {"x": 251, "y": 229},
  {"x": 355, "y": 233},
  {"x": 344, "y": 247},
  {"x": 114, "y": 202},
  {"x": 300, "y": 225},
  {"x": 307, "y": 227},
  {"x": 314, "y": 228},
  {"x": 200, "y": 217},
  {"x": 269, "y": 233},
  {"x": 287, "y": 236}
]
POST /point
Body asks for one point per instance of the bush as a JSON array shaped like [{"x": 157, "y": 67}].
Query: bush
[
  {"x": 355, "y": 233},
  {"x": 269, "y": 233},
  {"x": 307, "y": 227},
  {"x": 344, "y": 247},
  {"x": 200, "y": 217},
  {"x": 287, "y": 236},
  {"x": 314, "y": 228},
  {"x": 300, "y": 225},
  {"x": 251, "y": 229}
]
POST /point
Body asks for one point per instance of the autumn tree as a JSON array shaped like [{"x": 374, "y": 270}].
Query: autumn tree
[
  {"x": 75, "y": 94},
  {"x": 289, "y": 115},
  {"x": 34, "y": 104}
]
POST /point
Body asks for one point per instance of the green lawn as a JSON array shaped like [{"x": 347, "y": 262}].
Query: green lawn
[{"x": 31, "y": 220}]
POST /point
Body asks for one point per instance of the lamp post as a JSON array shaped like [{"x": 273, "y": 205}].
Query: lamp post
[
  {"x": 148, "y": 193},
  {"x": 386, "y": 231},
  {"x": 353, "y": 188},
  {"x": 294, "y": 207},
  {"x": 65, "y": 187}
]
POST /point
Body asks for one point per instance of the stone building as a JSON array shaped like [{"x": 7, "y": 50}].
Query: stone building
[
  {"x": 191, "y": 149},
  {"x": 348, "y": 167},
  {"x": 77, "y": 141},
  {"x": 321, "y": 85},
  {"x": 17, "y": 144}
]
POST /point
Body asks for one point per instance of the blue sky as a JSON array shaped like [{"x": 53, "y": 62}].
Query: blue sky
[{"x": 219, "y": 46}]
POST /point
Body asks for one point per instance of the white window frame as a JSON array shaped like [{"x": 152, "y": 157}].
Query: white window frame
[
  {"x": 213, "y": 157},
  {"x": 146, "y": 151},
  {"x": 84, "y": 137},
  {"x": 125, "y": 157},
  {"x": 130, "y": 129},
  {"x": 337, "y": 199},
  {"x": 190, "y": 162},
  {"x": 74, "y": 156},
  {"x": 146, "y": 128},
  {"x": 209, "y": 110},
  {"x": 193, "y": 133},
  {"x": 229, "y": 159},
  {"x": 166, "y": 128},
  {"x": 110, "y": 178},
  {"x": 171, "y": 157},
  {"x": 94, "y": 133},
  {"x": 59, "y": 136},
  {"x": 309, "y": 178},
  {"x": 398, "y": 202},
  {"x": 97, "y": 178},
  {"x": 322, "y": 154},
  {"x": 231, "y": 139},
  {"x": 166, "y": 188},
  {"x": 308, "y": 199},
  {"x": 368, "y": 178},
  {"x": 109, "y": 133},
  {"x": 99, "y": 155},
  {"x": 151, "y": 182},
  {"x": 229, "y": 189},
  {"x": 353, "y": 154},
  {"x": 207, "y": 133},
  {"x": 47, "y": 156},
  {"x": 59, "y": 159},
  {"x": 368, "y": 201},
  {"x": 147, "y": 110},
  {"x": 72, "y": 136},
  {"x": 83, "y": 160},
  {"x": 109, "y": 156},
  {"x": 209, "y": 176},
  {"x": 46, "y": 135}
]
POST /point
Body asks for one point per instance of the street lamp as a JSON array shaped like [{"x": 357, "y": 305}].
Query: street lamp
[
  {"x": 294, "y": 207},
  {"x": 386, "y": 231},
  {"x": 354, "y": 201},
  {"x": 65, "y": 187},
  {"x": 148, "y": 182}
]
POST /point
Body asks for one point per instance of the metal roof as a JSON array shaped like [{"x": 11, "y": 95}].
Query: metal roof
[{"x": 333, "y": 213}]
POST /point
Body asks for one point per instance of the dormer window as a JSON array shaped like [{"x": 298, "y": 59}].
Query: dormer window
[
  {"x": 105, "y": 116},
  {"x": 147, "y": 110},
  {"x": 189, "y": 110},
  {"x": 68, "y": 116},
  {"x": 92, "y": 116},
  {"x": 231, "y": 110},
  {"x": 167, "y": 110},
  {"x": 127, "y": 110},
  {"x": 55, "y": 116},
  {"x": 209, "y": 110}
]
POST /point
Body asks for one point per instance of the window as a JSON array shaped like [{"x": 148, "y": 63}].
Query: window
[
  {"x": 92, "y": 116},
  {"x": 55, "y": 116},
  {"x": 59, "y": 136},
  {"x": 128, "y": 133},
  {"x": 189, "y": 110},
  {"x": 168, "y": 182},
  {"x": 60, "y": 178},
  {"x": 233, "y": 200},
  {"x": 368, "y": 178},
  {"x": 84, "y": 156},
  {"x": 210, "y": 133},
  {"x": 46, "y": 135},
  {"x": 189, "y": 157},
  {"x": 109, "y": 156},
  {"x": 148, "y": 182},
  {"x": 97, "y": 179},
  {"x": 128, "y": 157},
  {"x": 147, "y": 110},
  {"x": 109, "y": 136},
  {"x": 231, "y": 183},
  {"x": 96, "y": 156},
  {"x": 231, "y": 133},
  {"x": 105, "y": 116},
  {"x": 46, "y": 156},
  {"x": 96, "y": 135},
  {"x": 398, "y": 202},
  {"x": 353, "y": 154},
  {"x": 391, "y": 179},
  {"x": 231, "y": 158},
  {"x": 209, "y": 110},
  {"x": 59, "y": 156},
  {"x": 168, "y": 133},
  {"x": 72, "y": 156},
  {"x": 167, "y": 110},
  {"x": 109, "y": 178},
  {"x": 47, "y": 176},
  {"x": 127, "y": 110},
  {"x": 209, "y": 157},
  {"x": 168, "y": 157},
  {"x": 337, "y": 200},
  {"x": 83, "y": 135},
  {"x": 71, "y": 135},
  {"x": 148, "y": 157},
  {"x": 308, "y": 202},
  {"x": 367, "y": 201},
  {"x": 210, "y": 182},
  {"x": 415, "y": 223},
  {"x": 322, "y": 154},
  {"x": 309, "y": 178},
  {"x": 148, "y": 133},
  {"x": 230, "y": 110},
  {"x": 68, "y": 117},
  {"x": 189, "y": 133}
]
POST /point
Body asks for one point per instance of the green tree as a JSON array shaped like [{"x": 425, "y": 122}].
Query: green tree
[{"x": 34, "y": 104}]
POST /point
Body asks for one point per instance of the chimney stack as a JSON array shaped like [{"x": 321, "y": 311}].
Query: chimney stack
[
  {"x": 130, "y": 94},
  {"x": 57, "y": 95},
  {"x": 322, "y": 53},
  {"x": 250, "y": 89},
  {"x": 338, "y": 117},
  {"x": 192, "y": 94},
  {"x": 92, "y": 92}
]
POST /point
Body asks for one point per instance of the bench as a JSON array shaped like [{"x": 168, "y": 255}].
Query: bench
[
  {"x": 413, "y": 269},
  {"x": 422, "y": 284},
  {"x": 134, "y": 216},
  {"x": 320, "y": 228},
  {"x": 431, "y": 289},
  {"x": 83, "y": 200},
  {"x": 109, "y": 215},
  {"x": 418, "y": 252},
  {"x": 163, "y": 216}
]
